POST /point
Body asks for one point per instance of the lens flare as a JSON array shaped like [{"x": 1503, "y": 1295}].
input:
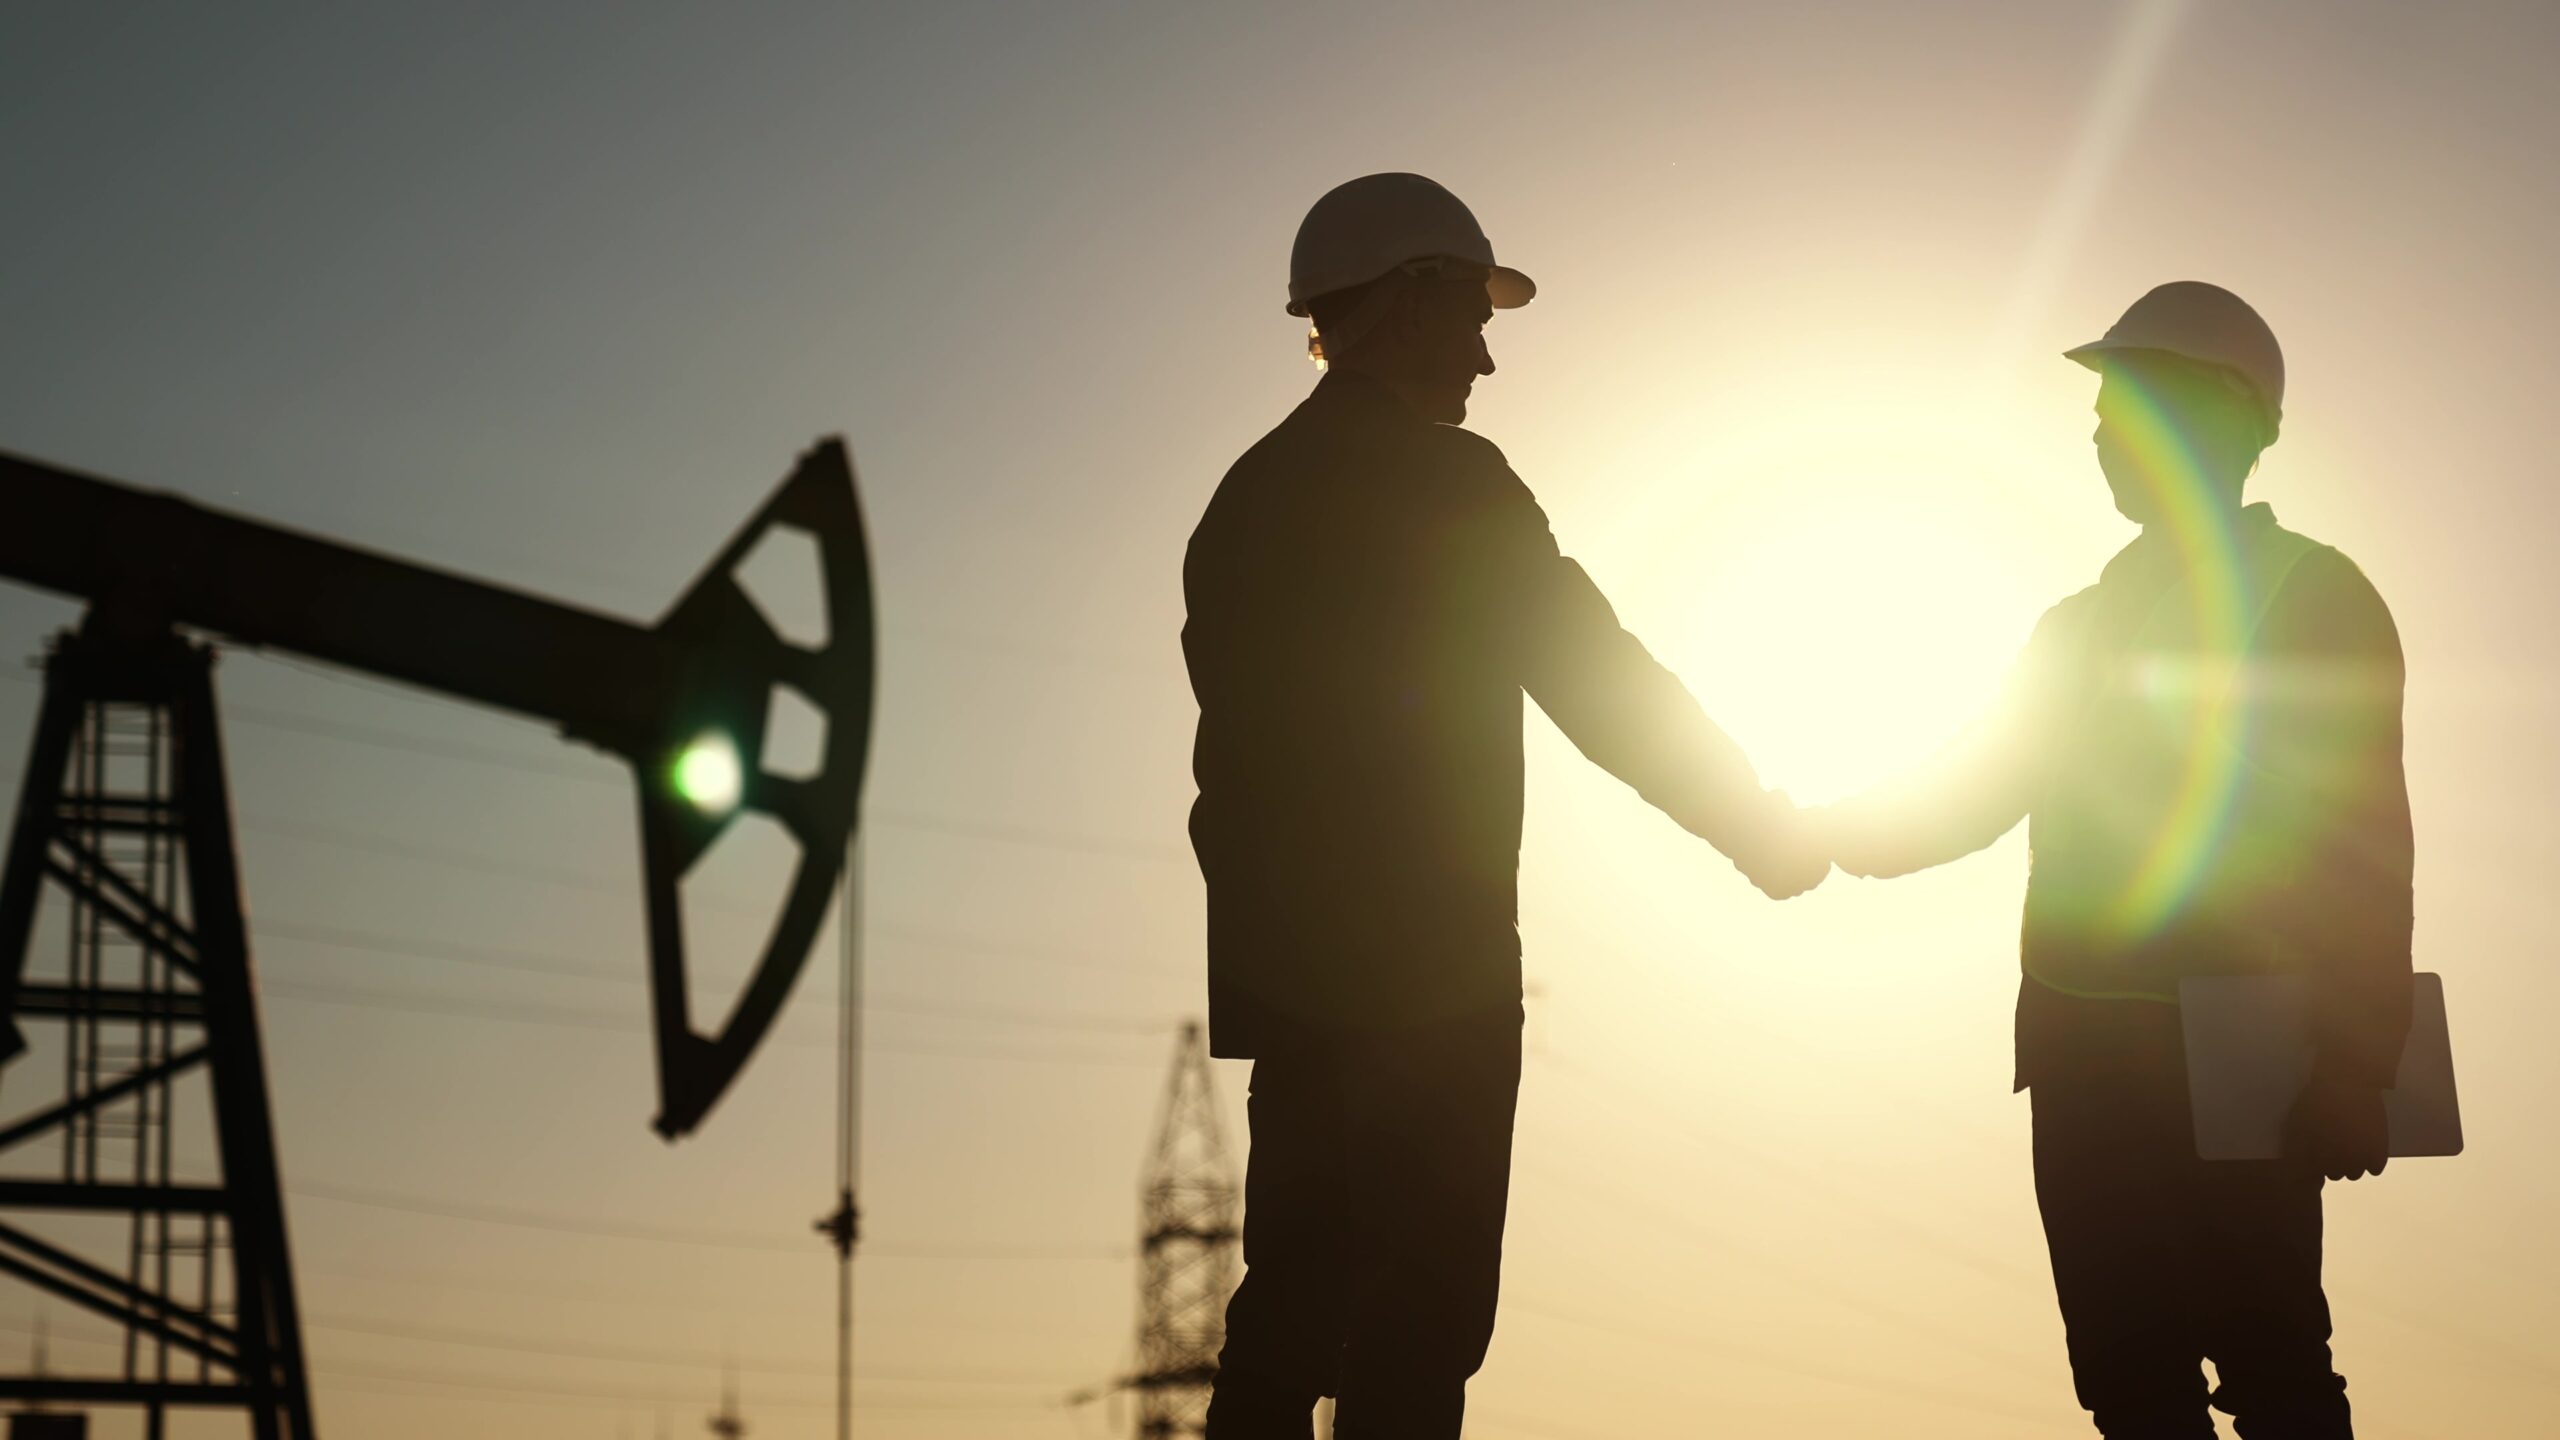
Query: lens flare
[
  {"x": 2190, "y": 666},
  {"x": 707, "y": 774},
  {"x": 2204, "y": 527}
]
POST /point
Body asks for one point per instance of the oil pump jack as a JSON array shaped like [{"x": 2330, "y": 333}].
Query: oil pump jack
[{"x": 126, "y": 811}]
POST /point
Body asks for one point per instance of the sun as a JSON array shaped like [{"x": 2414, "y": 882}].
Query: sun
[
  {"x": 1848, "y": 646},
  {"x": 1845, "y": 600}
]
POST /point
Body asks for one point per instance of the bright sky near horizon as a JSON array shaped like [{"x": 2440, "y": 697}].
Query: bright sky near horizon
[{"x": 553, "y": 295}]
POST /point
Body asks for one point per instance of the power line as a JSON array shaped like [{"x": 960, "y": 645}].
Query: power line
[
  {"x": 1810, "y": 1180},
  {"x": 494, "y": 1386},
  {"x": 1049, "y": 654},
  {"x": 1627, "y": 1203},
  {"x": 359, "y": 733},
  {"x": 388, "y": 739},
  {"x": 516, "y": 1343},
  {"x": 670, "y": 1235},
  {"x": 618, "y": 1022},
  {"x": 563, "y": 967},
  {"x": 338, "y": 937},
  {"x": 618, "y": 1402},
  {"x": 1032, "y": 836},
  {"x": 371, "y": 1279},
  {"x": 500, "y": 757},
  {"x": 341, "y": 838},
  {"x": 1011, "y": 949},
  {"x": 1593, "y": 942},
  {"x": 515, "y": 1385},
  {"x": 519, "y": 1343},
  {"x": 537, "y": 1220},
  {"x": 1779, "y": 1360},
  {"x": 337, "y": 837}
]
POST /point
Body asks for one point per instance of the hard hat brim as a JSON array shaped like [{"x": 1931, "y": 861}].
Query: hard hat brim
[
  {"x": 2095, "y": 353},
  {"x": 1507, "y": 288}
]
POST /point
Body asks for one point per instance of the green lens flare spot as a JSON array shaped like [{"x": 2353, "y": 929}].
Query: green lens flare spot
[{"x": 707, "y": 775}]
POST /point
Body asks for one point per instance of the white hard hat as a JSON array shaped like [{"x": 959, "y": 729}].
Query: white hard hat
[
  {"x": 2204, "y": 323},
  {"x": 1364, "y": 228}
]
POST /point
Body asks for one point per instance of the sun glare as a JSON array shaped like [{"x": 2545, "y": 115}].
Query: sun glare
[
  {"x": 1851, "y": 599},
  {"x": 1852, "y": 650}
]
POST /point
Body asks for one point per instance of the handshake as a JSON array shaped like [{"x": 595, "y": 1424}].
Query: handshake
[{"x": 1785, "y": 851}]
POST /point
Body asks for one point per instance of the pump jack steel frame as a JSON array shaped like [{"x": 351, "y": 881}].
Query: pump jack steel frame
[
  {"x": 126, "y": 810},
  {"x": 151, "y": 872}
]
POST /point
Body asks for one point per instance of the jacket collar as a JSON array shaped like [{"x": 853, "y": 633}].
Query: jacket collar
[
  {"x": 1349, "y": 390},
  {"x": 2159, "y": 549}
]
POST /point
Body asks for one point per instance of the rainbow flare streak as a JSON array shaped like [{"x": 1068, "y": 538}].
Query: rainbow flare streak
[{"x": 2205, "y": 529}]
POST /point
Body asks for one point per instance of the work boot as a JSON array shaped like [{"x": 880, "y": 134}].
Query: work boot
[{"x": 2317, "y": 1411}]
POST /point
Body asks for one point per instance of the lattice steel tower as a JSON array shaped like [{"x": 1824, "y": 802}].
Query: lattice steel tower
[
  {"x": 126, "y": 813},
  {"x": 1188, "y": 1254}
]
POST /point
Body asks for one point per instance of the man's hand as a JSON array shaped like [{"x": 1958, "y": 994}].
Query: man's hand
[
  {"x": 2340, "y": 1127},
  {"x": 1787, "y": 856}
]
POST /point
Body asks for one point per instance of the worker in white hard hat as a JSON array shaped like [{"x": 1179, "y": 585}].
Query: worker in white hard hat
[
  {"x": 2205, "y": 746},
  {"x": 1370, "y": 593}
]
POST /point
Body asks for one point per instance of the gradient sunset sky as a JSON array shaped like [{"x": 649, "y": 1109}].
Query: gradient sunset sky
[{"x": 553, "y": 294}]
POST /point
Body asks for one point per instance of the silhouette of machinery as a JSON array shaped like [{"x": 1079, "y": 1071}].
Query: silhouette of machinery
[
  {"x": 727, "y": 1422},
  {"x": 125, "y": 812},
  {"x": 1188, "y": 1255}
]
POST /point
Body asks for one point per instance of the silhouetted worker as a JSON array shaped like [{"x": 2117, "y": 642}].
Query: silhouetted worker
[
  {"x": 1370, "y": 592},
  {"x": 2206, "y": 748}
]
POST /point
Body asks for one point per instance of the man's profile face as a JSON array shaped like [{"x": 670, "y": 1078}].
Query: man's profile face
[
  {"x": 2123, "y": 418},
  {"x": 1449, "y": 350},
  {"x": 2173, "y": 439}
]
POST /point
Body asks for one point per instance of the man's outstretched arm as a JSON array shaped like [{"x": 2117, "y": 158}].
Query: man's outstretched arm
[
  {"x": 1631, "y": 716},
  {"x": 1972, "y": 793}
]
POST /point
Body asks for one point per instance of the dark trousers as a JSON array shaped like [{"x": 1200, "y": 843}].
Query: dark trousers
[
  {"x": 1374, "y": 1201},
  {"x": 2163, "y": 1261}
]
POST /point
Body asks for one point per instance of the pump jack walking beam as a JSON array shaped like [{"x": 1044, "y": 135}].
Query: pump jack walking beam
[{"x": 703, "y": 675}]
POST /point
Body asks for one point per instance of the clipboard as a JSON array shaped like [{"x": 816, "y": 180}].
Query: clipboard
[{"x": 2249, "y": 1055}]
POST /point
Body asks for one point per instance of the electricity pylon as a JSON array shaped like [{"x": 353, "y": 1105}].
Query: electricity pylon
[
  {"x": 1188, "y": 1253},
  {"x": 728, "y": 1424}
]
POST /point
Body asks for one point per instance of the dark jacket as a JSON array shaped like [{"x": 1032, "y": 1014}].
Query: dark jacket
[
  {"x": 1369, "y": 594},
  {"x": 2206, "y": 748}
]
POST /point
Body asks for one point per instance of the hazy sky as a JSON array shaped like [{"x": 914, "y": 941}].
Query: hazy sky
[{"x": 553, "y": 294}]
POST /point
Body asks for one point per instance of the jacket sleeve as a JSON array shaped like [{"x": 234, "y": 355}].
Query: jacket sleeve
[
  {"x": 2326, "y": 761},
  {"x": 1976, "y": 789},
  {"x": 1618, "y": 705}
]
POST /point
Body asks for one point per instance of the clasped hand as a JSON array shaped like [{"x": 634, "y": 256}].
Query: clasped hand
[{"x": 1786, "y": 852}]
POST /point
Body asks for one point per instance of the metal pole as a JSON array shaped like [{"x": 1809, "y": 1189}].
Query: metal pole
[{"x": 844, "y": 1227}]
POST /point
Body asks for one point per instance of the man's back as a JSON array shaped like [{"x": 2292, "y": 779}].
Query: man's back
[
  {"x": 1369, "y": 596},
  {"x": 1359, "y": 746}
]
